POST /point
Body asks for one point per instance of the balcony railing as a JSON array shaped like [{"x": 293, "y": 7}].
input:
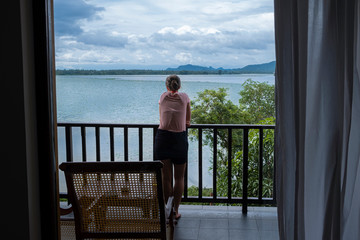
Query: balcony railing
[{"x": 200, "y": 130}]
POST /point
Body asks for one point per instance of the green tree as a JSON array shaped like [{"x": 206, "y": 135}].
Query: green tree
[
  {"x": 213, "y": 106},
  {"x": 258, "y": 100},
  {"x": 253, "y": 169},
  {"x": 256, "y": 106}
]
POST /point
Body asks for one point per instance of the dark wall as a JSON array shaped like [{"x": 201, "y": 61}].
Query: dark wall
[
  {"x": 28, "y": 175},
  {"x": 14, "y": 178}
]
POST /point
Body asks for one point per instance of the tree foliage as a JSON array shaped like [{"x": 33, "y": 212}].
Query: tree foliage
[
  {"x": 256, "y": 106},
  {"x": 212, "y": 106},
  {"x": 258, "y": 100}
]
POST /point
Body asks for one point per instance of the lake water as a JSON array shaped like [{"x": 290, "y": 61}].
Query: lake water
[{"x": 132, "y": 99}]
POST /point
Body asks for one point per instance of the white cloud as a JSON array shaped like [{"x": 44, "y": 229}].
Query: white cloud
[
  {"x": 221, "y": 8},
  {"x": 184, "y": 57},
  {"x": 209, "y": 30},
  {"x": 170, "y": 33},
  {"x": 166, "y": 30},
  {"x": 186, "y": 29}
]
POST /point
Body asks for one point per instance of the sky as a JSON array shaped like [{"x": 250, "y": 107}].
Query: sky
[{"x": 157, "y": 34}]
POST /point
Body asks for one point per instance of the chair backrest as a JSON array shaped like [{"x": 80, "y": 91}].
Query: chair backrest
[{"x": 116, "y": 199}]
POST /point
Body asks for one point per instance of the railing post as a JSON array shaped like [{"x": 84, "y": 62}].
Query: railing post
[
  {"x": 229, "y": 162},
  {"x": 261, "y": 150},
  {"x": 200, "y": 163},
  {"x": 215, "y": 164},
  {"x": 97, "y": 137},
  {"x": 245, "y": 170},
  {"x": 186, "y": 176},
  {"x": 141, "y": 152},
  {"x": 274, "y": 172},
  {"x": 154, "y": 135},
  {"x": 83, "y": 143},
  {"x": 126, "y": 144},
  {"x": 112, "y": 147},
  {"x": 69, "y": 145}
]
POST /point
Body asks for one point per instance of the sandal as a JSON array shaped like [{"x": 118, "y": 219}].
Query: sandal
[{"x": 177, "y": 217}]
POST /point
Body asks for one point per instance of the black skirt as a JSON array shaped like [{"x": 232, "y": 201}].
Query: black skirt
[{"x": 171, "y": 145}]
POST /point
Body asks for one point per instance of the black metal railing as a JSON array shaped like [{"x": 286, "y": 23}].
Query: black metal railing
[{"x": 201, "y": 130}]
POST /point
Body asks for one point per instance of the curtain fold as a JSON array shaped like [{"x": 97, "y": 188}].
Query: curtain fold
[{"x": 318, "y": 118}]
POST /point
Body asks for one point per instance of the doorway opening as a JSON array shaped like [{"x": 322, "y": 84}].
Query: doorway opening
[{"x": 112, "y": 58}]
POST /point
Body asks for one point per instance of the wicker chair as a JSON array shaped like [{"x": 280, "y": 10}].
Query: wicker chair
[{"x": 116, "y": 200}]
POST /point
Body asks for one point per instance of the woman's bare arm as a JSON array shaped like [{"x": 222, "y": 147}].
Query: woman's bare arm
[{"x": 188, "y": 115}]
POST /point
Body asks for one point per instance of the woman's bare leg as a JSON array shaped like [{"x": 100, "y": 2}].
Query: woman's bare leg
[
  {"x": 167, "y": 175},
  {"x": 179, "y": 186}
]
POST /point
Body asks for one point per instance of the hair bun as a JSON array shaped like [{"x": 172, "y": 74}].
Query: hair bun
[{"x": 173, "y": 82}]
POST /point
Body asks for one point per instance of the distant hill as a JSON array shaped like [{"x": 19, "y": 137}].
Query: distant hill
[
  {"x": 189, "y": 67},
  {"x": 183, "y": 70},
  {"x": 254, "y": 68},
  {"x": 265, "y": 67}
]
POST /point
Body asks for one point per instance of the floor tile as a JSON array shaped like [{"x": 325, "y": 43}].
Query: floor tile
[
  {"x": 234, "y": 208},
  {"x": 243, "y": 224},
  {"x": 187, "y": 213},
  {"x": 215, "y": 208},
  {"x": 190, "y": 207},
  {"x": 214, "y": 214},
  {"x": 213, "y": 234},
  {"x": 237, "y": 234},
  {"x": 186, "y": 233},
  {"x": 265, "y": 215},
  {"x": 269, "y": 235},
  {"x": 239, "y": 214},
  {"x": 267, "y": 225},
  {"x": 214, "y": 223},
  {"x": 188, "y": 222},
  {"x": 265, "y": 209}
]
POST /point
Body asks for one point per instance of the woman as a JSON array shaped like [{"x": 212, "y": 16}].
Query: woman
[{"x": 171, "y": 143}]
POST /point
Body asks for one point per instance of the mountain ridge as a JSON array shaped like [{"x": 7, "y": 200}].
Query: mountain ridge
[
  {"x": 263, "y": 68},
  {"x": 256, "y": 68}
]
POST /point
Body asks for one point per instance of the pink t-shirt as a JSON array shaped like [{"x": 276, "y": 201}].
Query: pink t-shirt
[{"x": 174, "y": 111}]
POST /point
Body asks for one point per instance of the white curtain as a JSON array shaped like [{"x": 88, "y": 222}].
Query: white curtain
[{"x": 318, "y": 119}]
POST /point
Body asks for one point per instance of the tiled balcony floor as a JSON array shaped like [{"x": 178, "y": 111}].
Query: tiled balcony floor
[
  {"x": 226, "y": 222},
  {"x": 204, "y": 222}
]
